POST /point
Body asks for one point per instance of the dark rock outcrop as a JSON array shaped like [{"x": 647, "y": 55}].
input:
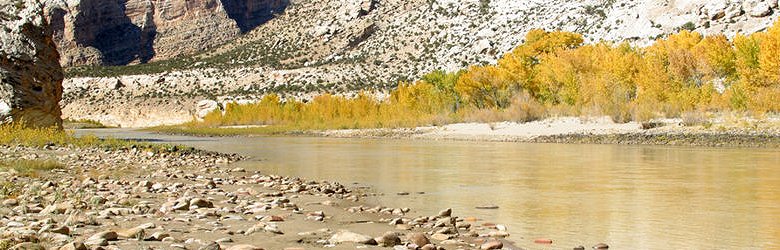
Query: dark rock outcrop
[
  {"x": 120, "y": 32},
  {"x": 30, "y": 73}
]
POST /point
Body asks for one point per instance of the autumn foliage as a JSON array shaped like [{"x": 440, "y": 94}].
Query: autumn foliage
[{"x": 555, "y": 73}]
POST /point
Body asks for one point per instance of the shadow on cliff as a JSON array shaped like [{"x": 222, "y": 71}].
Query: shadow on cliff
[
  {"x": 249, "y": 14},
  {"x": 104, "y": 25}
]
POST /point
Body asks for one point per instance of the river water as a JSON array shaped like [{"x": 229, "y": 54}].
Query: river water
[{"x": 630, "y": 197}]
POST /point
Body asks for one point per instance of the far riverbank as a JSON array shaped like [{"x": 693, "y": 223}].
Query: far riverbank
[{"x": 719, "y": 132}]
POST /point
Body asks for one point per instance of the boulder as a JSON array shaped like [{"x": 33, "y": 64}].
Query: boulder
[
  {"x": 761, "y": 10},
  {"x": 244, "y": 247},
  {"x": 445, "y": 213},
  {"x": 30, "y": 72},
  {"x": 492, "y": 245},
  {"x": 28, "y": 246},
  {"x": 105, "y": 235},
  {"x": 74, "y": 246},
  {"x": 419, "y": 239},
  {"x": 347, "y": 236},
  {"x": 205, "y": 107},
  {"x": 210, "y": 246},
  {"x": 201, "y": 203},
  {"x": 715, "y": 10},
  {"x": 389, "y": 239},
  {"x": 132, "y": 233}
]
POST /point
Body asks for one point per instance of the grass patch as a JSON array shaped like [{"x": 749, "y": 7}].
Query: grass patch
[
  {"x": 20, "y": 135},
  {"x": 83, "y": 124},
  {"x": 30, "y": 168},
  {"x": 8, "y": 190},
  {"x": 196, "y": 129}
]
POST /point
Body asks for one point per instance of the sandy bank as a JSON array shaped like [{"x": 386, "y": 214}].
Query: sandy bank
[{"x": 719, "y": 131}]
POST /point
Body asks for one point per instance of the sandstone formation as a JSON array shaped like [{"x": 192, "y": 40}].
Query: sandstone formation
[
  {"x": 30, "y": 73},
  {"x": 120, "y": 32}
]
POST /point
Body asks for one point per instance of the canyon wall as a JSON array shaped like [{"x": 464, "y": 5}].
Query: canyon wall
[
  {"x": 121, "y": 32},
  {"x": 345, "y": 46},
  {"x": 30, "y": 73}
]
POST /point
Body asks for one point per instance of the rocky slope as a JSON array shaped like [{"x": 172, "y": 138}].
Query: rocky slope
[
  {"x": 30, "y": 75},
  {"x": 118, "y": 32},
  {"x": 343, "y": 46}
]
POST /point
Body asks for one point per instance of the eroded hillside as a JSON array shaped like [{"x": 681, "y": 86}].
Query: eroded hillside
[{"x": 343, "y": 46}]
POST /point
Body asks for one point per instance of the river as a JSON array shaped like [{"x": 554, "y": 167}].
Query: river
[{"x": 630, "y": 197}]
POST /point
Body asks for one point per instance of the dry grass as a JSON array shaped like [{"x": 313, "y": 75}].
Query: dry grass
[
  {"x": 691, "y": 119},
  {"x": 83, "y": 124},
  {"x": 29, "y": 168},
  {"x": 20, "y": 135},
  {"x": 8, "y": 190}
]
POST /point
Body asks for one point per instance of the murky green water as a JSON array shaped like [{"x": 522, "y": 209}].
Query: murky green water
[{"x": 630, "y": 197}]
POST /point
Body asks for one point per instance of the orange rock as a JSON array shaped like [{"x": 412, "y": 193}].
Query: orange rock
[{"x": 543, "y": 241}]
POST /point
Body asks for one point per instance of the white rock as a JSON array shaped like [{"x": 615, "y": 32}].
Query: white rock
[
  {"x": 761, "y": 10},
  {"x": 347, "y": 236}
]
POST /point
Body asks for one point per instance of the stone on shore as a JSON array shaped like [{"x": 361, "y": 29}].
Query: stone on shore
[
  {"x": 28, "y": 246},
  {"x": 211, "y": 246},
  {"x": 347, "y": 236},
  {"x": 244, "y": 247},
  {"x": 389, "y": 239},
  {"x": 493, "y": 244},
  {"x": 105, "y": 235},
  {"x": 543, "y": 241},
  {"x": 200, "y": 203},
  {"x": 419, "y": 239},
  {"x": 132, "y": 233},
  {"x": 74, "y": 246},
  {"x": 60, "y": 230},
  {"x": 446, "y": 212}
]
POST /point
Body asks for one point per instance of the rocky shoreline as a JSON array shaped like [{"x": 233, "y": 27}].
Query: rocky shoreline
[
  {"x": 742, "y": 132},
  {"x": 581, "y": 131},
  {"x": 671, "y": 139},
  {"x": 135, "y": 199},
  {"x": 715, "y": 140}
]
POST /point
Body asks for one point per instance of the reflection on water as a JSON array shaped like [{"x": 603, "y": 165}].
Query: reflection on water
[{"x": 631, "y": 197}]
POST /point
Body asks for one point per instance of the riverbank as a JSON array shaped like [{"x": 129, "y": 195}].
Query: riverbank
[
  {"x": 94, "y": 198},
  {"x": 598, "y": 130},
  {"x": 721, "y": 131}
]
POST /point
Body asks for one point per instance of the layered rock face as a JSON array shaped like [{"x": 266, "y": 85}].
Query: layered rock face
[
  {"x": 344, "y": 46},
  {"x": 120, "y": 32},
  {"x": 30, "y": 73}
]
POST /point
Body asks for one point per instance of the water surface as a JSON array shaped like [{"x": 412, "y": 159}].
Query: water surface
[{"x": 630, "y": 197}]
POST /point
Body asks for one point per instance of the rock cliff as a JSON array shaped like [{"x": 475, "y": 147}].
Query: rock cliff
[
  {"x": 30, "y": 73},
  {"x": 344, "y": 46},
  {"x": 120, "y": 32}
]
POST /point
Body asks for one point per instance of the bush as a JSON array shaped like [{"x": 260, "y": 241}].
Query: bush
[{"x": 692, "y": 118}]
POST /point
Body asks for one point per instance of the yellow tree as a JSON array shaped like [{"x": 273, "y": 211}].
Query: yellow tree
[
  {"x": 611, "y": 88},
  {"x": 769, "y": 55},
  {"x": 747, "y": 50},
  {"x": 560, "y": 73},
  {"x": 521, "y": 61},
  {"x": 716, "y": 56},
  {"x": 486, "y": 87}
]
